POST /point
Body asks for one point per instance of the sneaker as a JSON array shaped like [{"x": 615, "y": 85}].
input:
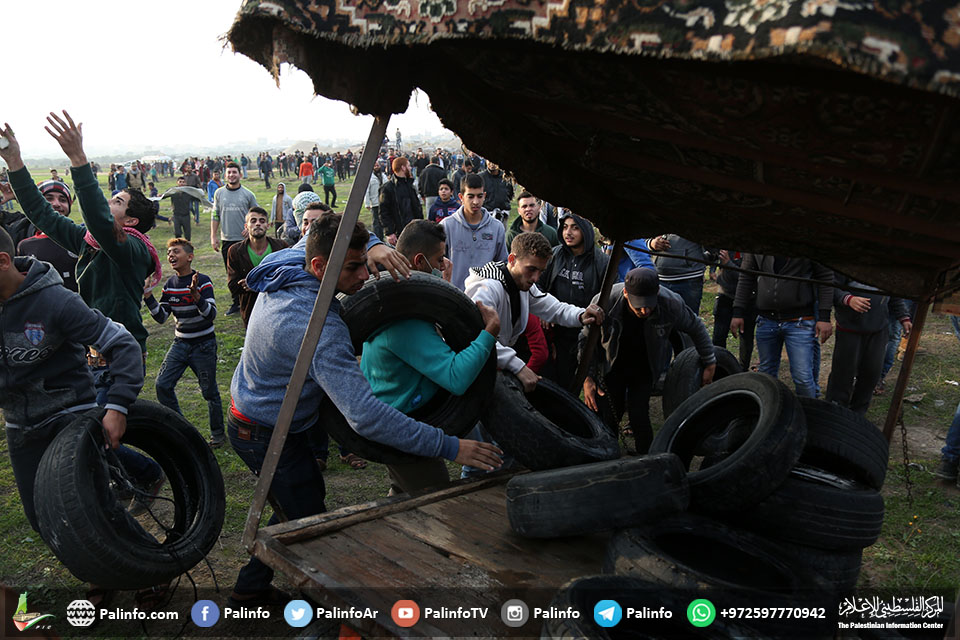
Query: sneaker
[
  {"x": 140, "y": 504},
  {"x": 234, "y": 308},
  {"x": 216, "y": 442},
  {"x": 947, "y": 469}
]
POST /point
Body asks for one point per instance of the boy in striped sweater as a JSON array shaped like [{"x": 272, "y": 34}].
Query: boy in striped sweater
[{"x": 188, "y": 295}]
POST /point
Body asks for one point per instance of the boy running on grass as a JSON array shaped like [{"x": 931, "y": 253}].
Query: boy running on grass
[{"x": 188, "y": 295}]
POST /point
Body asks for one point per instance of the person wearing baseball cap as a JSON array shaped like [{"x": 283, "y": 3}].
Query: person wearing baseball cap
[{"x": 635, "y": 350}]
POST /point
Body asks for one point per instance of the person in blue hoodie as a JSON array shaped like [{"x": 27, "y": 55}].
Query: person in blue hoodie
[
  {"x": 288, "y": 282},
  {"x": 474, "y": 237}
]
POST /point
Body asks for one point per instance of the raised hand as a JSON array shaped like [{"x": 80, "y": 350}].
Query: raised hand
[
  {"x": 69, "y": 136},
  {"x": 11, "y": 152}
]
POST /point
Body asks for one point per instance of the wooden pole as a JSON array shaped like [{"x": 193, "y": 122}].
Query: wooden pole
[
  {"x": 896, "y": 404},
  {"x": 593, "y": 336},
  {"x": 311, "y": 337}
]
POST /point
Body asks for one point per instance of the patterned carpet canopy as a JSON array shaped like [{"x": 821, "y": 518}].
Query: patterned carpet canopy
[{"x": 820, "y": 128}]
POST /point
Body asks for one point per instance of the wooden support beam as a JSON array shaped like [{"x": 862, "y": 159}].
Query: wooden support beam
[
  {"x": 896, "y": 404},
  {"x": 311, "y": 337},
  {"x": 593, "y": 336}
]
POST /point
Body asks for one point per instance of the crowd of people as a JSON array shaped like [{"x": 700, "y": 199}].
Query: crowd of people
[{"x": 535, "y": 282}]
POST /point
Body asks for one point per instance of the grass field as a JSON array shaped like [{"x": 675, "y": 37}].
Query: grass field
[{"x": 917, "y": 549}]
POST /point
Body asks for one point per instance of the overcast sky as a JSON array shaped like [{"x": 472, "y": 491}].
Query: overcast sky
[{"x": 149, "y": 75}]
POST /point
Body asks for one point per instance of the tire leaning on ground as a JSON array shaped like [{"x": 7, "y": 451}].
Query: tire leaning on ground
[
  {"x": 845, "y": 443},
  {"x": 818, "y": 509},
  {"x": 595, "y": 497},
  {"x": 546, "y": 428},
  {"x": 697, "y": 554},
  {"x": 582, "y": 594},
  {"x": 426, "y": 297},
  {"x": 757, "y": 405},
  {"x": 73, "y": 492},
  {"x": 686, "y": 374}
]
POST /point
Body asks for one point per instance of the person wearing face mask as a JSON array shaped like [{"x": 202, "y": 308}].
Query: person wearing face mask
[{"x": 407, "y": 362}]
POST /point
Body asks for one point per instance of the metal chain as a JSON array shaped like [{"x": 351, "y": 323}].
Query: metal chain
[
  {"x": 602, "y": 384},
  {"x": 906, "y": 459}
]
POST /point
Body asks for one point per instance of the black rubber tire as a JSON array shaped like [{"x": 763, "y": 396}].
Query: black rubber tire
[
  {"x": 596, "y": 497},
  {"x": 695, "y": 554},
  {"x": 819, "y": 509},
  {"x": 582, "y": 594},
  {"x": 757, "y": 465},
  {"x": 840, "y": 569},
  {"x": 72, "y": 487},
  {"x": 547, "y": 428},
  {"x": 686, "y": 373},
  {"x": 844, "y": 442},
  {"x": 383, "y": 301}
]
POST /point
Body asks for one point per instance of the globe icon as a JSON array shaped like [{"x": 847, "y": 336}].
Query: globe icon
[{"x": 81, "y": 613}]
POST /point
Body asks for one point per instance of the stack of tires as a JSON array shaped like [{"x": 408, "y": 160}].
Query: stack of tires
[{"x": 782, "y": 497}]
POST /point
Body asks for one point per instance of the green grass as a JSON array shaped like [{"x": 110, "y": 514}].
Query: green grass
[{"x": 922, "y": 554}]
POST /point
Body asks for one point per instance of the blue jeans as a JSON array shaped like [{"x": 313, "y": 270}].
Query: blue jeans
[
  {"x": 892, "y": 343},
  {"x": 297, "y": 488},
  {"x": 691, "y": 290},
  {"x": 951, "y": 449},
  {"x": 798, "y": 337},
  {"x": 201, "y": 357},
  {"x": 143, "y": 470}
]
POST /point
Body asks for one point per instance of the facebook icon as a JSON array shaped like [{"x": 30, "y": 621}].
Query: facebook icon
[{"x": 205, "y": 613}]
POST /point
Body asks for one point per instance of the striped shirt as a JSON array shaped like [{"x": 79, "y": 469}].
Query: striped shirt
[{"x": 194, "y": 317}]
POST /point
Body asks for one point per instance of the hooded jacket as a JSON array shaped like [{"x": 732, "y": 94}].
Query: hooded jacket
[
  {"x": 468, "y": 247},
  {"x": 575, "y": 279},
  {"x": 670, "y": 313},
  {"x": 882, "y": 307},
  {"x": 44, "y": 330},
  {"x": 288, "y": 293}
]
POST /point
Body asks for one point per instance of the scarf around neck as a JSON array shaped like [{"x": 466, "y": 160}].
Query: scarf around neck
[{"x": 130, "y": 231}]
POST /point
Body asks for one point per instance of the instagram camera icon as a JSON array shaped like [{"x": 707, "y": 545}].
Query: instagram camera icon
[{"x": 405, "y": 613}]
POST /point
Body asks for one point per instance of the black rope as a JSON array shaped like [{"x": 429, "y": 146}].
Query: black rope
[{"x": 732, "y": 267}]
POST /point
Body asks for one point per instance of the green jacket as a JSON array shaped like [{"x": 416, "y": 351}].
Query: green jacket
[
  {"x": 109, "y": 279},
  {"x": 548, "y": 232},
  {"x": 329, "y": 175}
]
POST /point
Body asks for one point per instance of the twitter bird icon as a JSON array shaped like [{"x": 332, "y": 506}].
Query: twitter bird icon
[{"x": 298, "y": 613}]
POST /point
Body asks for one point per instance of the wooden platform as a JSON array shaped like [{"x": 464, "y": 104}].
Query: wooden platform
[{"x": 451, "y": 548}]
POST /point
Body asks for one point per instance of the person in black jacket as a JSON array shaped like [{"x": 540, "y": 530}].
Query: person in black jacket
[
  {"x": 861, "y": 342},
  {"x": 428, "y": 181},
  {"x": 499, "y": 193},
  {"x": 399, "y": 202},
  {"x": 788, "y": 314},
  {"x": 574, "y": 275}
]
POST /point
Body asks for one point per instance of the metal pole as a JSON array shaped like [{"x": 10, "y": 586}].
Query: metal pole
[
  {"x": 593, "y": 335},
  {"x": 896, "y": 404},
  {"x": 312, "y": 335}
]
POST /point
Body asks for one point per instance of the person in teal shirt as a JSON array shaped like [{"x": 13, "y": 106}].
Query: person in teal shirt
[
  {"x": 329, "y": 183},
  {"x": 407, "y": 362}
]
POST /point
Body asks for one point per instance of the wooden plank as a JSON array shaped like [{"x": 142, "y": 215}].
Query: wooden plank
[
  {"x": 896, "y": 403},
  {"x": 322, "y": 523}
]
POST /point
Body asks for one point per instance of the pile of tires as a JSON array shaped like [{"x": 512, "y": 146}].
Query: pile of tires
[
  {"x": 94, "y": 536},
  {"x": 783, "y": 496}
]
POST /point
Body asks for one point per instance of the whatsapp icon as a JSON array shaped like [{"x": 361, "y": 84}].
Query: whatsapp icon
[{"x": 701, "y": 613}]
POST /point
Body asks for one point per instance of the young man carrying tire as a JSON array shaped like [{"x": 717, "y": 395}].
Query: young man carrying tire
[
  {"x": 636, "y": 348},
  {"x": 44, "y": 379},
  {"x": 407, "y": 362},
  {"x": 288, "y": 282}
]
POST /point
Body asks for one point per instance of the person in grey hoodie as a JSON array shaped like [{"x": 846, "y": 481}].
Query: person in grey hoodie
[
  {"x": 474, "y": 237},
  {"x": 44, "y": 378},
  {"x": 861, "y": 341},
  {"x": 288, "y": 282}
]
